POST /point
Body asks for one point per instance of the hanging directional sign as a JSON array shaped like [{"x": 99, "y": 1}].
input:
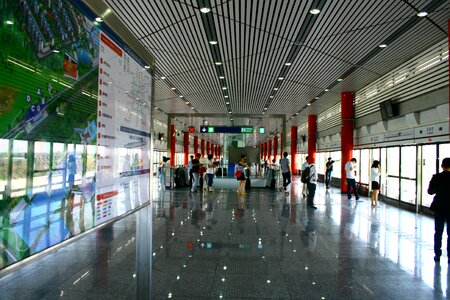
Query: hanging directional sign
[
  {"x": 231, "y": 129},
  {"x": 191, "y": 129}
]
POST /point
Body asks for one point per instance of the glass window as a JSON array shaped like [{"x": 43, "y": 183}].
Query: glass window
[
  {"x": 444, "y": 151},
  {"x": 4, "y": 146},
  {"x": 19, "y": 168},
  {"x": 336, "y": 156},
  {"x": 392, "y": 172},
  {"x": 58, "y": 165},
  {"x": 90, "y": 161},
  {"x": 357, "y": 155},
  {"x": 41, "y": 169},
  {"x": 428, "y": 170},
  {"x": 383, "y": 159}
]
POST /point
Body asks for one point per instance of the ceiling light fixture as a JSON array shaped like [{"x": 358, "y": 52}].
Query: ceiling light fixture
[
  {"x": 192, "y": 107},
  {"x": 9, "y": 22},
  {"x": 265, "y": 108},
  {"x": 339, "y": 79},
  {"x": 55, "y": 51},
  {"x": 229, "y": 112},
  {"x": 221, "y": 77},
  {"x": 275, "y": 89},
  {"x": 187, "y": 102},
  {"x": 316, "y": 98},
  {"x": 147, "y": 67},
  {"x": 213, "y": 42},
  {"x": 99, "y": 19},
  {"x": 218, "y": 63},
  {"x": 181, "y": 96},
  {"x": 287, "y": 64},
  {"x": 382, "y": 45},
  {"x": 308, "y": 104},
  {"x": 263, "y": 112},
  {"x": 271, "y": 97},
  {"x": 227, "y": 102},
  {"x": 422, "y": 14},
  {"x": 205, "y": 10},
  {"x": 226, "y": 96},
  {"x": 173, "y": 88},
  {"x": 280, "y": 78},
  {"x": 224, "y": 88},
  {"x": 162, "y": 77},
  {"x": 314, "y": 11},
  {"x": 326, "y": 90}
]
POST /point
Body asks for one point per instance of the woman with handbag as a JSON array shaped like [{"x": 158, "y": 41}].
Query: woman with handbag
[{"x": 240, "y": 175}]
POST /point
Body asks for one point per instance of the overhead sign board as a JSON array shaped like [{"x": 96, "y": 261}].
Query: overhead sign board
[{"x": 233, "y": 129}]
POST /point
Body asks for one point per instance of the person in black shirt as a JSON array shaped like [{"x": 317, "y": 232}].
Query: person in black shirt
[
  {"x": 439, "y": 186},
  {"x": 195, "y": 172},
  {"x": 328, "y": 172}
]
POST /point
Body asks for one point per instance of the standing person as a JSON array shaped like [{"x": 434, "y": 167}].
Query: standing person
[
  {"x": 195, "y": 172},
  {"x": 210, "y": 173},
  {"x": 439, "y": 186},
  {"x": 305, "y": 184},
  {"x": 351, "y": 172},
  {"x": 312, "y": 179},
  {"x": 240, "y": 170},
  {"x": 189, "y": 169},
  {"x": 375, "y": 178},
  {"x": 162, "y": 172},
  {"x": 329, "y": 166},
  {"x": 285, "y": 172}
]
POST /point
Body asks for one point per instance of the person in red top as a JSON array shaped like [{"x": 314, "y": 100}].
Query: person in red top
[{"x": 440, "y": 187}]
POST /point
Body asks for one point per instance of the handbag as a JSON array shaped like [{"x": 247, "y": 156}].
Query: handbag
[{"x": 238, "y": 174}]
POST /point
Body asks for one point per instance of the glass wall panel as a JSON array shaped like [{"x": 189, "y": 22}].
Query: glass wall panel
[
  {"x": 408, "y": 167},
  {"x": 428, "y": 166},
  {"x": 365, "y": 166},
  {"x": 19, "y": 168},
  {"x": 41, "y": 171},
  {"x": 4, "y": 146},
  {"x": 444, "y": 151},
  {"x": 393, "y": 172},
  {"x": 58, "y": 166}
]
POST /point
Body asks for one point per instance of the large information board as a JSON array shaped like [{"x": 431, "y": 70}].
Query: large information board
[{"x": 123, "y": 136}]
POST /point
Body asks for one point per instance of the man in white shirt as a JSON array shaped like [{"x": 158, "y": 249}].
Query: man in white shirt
[
  {"x": 311, "y": 184},
  {"x": 305, "y": 184},
  {"x": 351, "y": 172},
  {"x": 210, "y": 173}
]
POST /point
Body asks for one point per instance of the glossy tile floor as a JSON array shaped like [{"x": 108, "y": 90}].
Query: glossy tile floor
[{"x": 262, "y": 245}]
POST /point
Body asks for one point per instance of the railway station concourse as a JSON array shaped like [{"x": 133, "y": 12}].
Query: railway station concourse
[{"x": 103, "y": 103}]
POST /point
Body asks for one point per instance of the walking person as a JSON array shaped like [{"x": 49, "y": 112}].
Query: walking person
[
  {"x": 351, "y": 172},
  {"x": 375, "y": 178},
  {"x": 240, "y": 174},
  {"x": 210, "y": 173},
  {"x": 195, "y": 172},
  {"x": 305, "y": 184},
  {"x": 439, "y": 186},
  {"x": 312, "y": 179},
  {"x": 329, "y": 170},
  {"x": 162, "y": 172},
  {"x": 285, "y": 172},
  {"x": 189, "y": 169}
]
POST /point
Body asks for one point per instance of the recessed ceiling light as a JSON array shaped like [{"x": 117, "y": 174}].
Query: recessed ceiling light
[
  {"x": 213, "y": 42},
  {"x": 263, "y": 112},
  {"x": 221, "y": 77},
  {"x": 265, "y": 108},
  {"x": 9, "y": 22},
  {"x": 422, "y": 14},
  {"x": 314, "y": 11},
  {"x": 229, "y": 112},
  {"x": 226, "y": 96},
  {"x": 231, "y": 119},
  {"x": 224, "y": 88},
  {"x": 147, "y": 67},
  {"x": 218, "y": 63},
  {"x": 271, "y": 97},
  {"x": 287, "y": 64},
  {"x": 275, "y": 89},
  {"x": 187, "y": 102},
  {"x": 339, "y": 79},
  {"x": 98, "y": 19},
  {"x": 296, "y": 113},
  {"x": 308, "y": 104},
  {"x": 181, "y": 96},
  {"x": 280, "y": 78},
  {"x": 173, "y": 88},
  {"x": 205, "y": 10},
  {"x": 316, "y": 98},
  {"x": 326, "y": 90},
  {"x": 162, "y": 77},
  {"x": 382, "y": 45},
  {"x": 55, "y": 51},
  {"x": 192, "y": 107},
  {"x": 227, "y": 102}
]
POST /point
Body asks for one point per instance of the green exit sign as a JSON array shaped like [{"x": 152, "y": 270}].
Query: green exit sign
[
  {"x": 262, "y": 130},
  {"x": 246, "y": 129},
  {"x": 210, "y": 129}
]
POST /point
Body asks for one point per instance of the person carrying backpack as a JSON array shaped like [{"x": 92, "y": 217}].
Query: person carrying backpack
[
  {"x": 285, "y": 171},
  {"x": 304, "y": 177}
]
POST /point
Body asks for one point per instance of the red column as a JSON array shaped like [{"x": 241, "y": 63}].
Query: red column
[
  {"x": 293, "y": 149},
  {"x": 312, "y": 132},
  {"x": 202, "y": 147},
  {"x": 281, "y": 143},
  {"x": 173, "y": 141},
  {"x": 347, "y": 115},
  {"x": 208, "y": 148},
  {"x": 275, "y": 147},
  {"x": 195, "y": 145},
  {"x": 186, "y": 148},
  {"x": 265, "y": 150},
  {"x": 269, "y": 154}
]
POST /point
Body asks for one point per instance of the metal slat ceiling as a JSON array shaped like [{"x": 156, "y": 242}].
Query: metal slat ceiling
[{"x": 256, "y": 37}]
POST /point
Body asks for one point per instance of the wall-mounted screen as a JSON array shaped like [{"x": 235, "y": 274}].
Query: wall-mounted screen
[{"x": 387, "y": 110}]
